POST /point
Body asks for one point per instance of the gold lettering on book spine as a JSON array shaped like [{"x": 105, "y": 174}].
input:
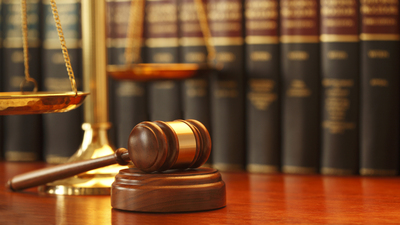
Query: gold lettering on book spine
[
  {"x": 380, "y": 13},
  {"x": 379, "y": 37},
  {"x": 338, "y": 38},
  {"x": 298, "y": 88},
  {"x": 261, "y": 15},
  {"x": 225, "y": 57},
  {"x": 338, "y": 15},
  {"x": 378, "y": 54},
  {"x": 163, "y": 57},
  {"x": 195, "y": 57},
  {"x": 262, "y": 40},
  {"x": 260, "y": 56},
  {"x": 379, "y": 82},
  {"x": 196, "y": 88},
  {"x": 298, "y": 55},
  {"x": 162, "y": 21},
  {"x": 226, "y": 89},
  {"x": 224, "y": 10},
  {"x": 128, "y": 89},
  {"x": 299, "y": 14},
  {"x": 337, "y": 104},
  {"x": 225, "y": 16},
  {"x": 261, "y": 93},
  {"x": 336, "y": 54}
]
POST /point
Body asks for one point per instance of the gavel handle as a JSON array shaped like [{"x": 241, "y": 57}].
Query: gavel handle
[{"x": 46, "y": 175}]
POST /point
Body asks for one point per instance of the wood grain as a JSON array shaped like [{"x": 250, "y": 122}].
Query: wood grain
[
  {"x": 251, "y": 199},
  {"x": 187, "y": 190}
]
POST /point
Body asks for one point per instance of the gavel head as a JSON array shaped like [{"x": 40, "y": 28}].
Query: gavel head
[{"x": 159, "y": 146}]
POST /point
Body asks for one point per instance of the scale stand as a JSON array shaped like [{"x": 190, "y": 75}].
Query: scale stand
[{"x": 95, "y": 140}]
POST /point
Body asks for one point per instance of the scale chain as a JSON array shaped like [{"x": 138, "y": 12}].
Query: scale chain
[
  {"x": 205, "y": 29},
  {"x": 24, "y": 27},
  {"x": 134, "y": 34},
  {"x": 63, "y": 46}
]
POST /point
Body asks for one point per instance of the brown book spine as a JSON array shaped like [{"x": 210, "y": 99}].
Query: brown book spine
[
  {"x": 22, "y": 133},
  {"x": 227, "y": 88},
  {"x": 300, "y": 71},
  {"x": 379, "y": 87},
  {"x": 262, "y": 72},
  {"x": 195, "y": 91},
  {"x": 192, "y": 49},
  {"x": 129, "y": 103},
  {"x": 161, "y": 34},
  {"x": 340, "y": 87},
  {"x": 57, "y": 126}
]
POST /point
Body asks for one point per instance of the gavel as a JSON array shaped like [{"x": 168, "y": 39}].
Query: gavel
[{"x": 152, "y": 147}]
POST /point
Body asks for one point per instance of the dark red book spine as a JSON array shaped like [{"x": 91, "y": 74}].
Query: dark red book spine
[
  {"x": 195, "y": 91},
  {"x": 192, "y": 49},
  {"x": 129, "y": 103},
  {"x": 300, "y": 71},
  {"x": 227, "y": 88},
  {"x": 340, "y": 87},
  {"x": 379, "y": 87},
  {"x": 57, "y": 126},
  {"x": 262, "y": 73},
  {"x": 161, "y": 40},
  {"x": 22, "y": 133}
]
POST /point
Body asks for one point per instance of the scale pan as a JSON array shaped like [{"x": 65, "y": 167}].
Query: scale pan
[
  {"x": 155, "y": 71},
  {"x": 18, "y": 103}
]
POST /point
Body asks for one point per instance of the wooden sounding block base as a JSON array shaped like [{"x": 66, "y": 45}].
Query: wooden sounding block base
[{"x": 169, "y": 191}]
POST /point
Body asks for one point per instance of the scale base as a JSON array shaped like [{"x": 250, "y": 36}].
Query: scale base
[
  {"x": 94, "y": 182},
  {"x": 61, "y": 188},
  {"x": 170, "y": 191},
  {"x": 84, "y": 184}
]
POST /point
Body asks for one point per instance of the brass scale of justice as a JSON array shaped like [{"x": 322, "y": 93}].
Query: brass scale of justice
[{"x": 166, "y": 155}]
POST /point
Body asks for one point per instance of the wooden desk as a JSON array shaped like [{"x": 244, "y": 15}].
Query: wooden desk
[{"x": 251, "y": 199}]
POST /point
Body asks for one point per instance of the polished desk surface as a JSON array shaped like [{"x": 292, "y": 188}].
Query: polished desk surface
[{"x": 251, "y": 199}]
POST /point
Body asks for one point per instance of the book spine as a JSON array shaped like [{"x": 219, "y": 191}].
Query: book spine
[
  {"x": 195, "y": 91},
  {"x": 161, "y": 33},
  {"x": 300, "y": 71},
  {"x": 22, "y": 133},
  {"x": 62, "y": 132},
  {"x": 227, "y": 88},
  {"x": 262, "y": 71},
  {"x": 129, "y": 97},
  {"x": 340, "y": 87},
  {"x": 379, "y": 87}
]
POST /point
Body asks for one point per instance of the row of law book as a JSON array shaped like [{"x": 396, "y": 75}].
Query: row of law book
[
  {"x": 306, "y": 86},
  {"x": 336, "y": 75}
]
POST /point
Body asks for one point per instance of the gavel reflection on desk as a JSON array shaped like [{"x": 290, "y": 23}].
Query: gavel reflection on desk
[{"x": 152, "y": 147}]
